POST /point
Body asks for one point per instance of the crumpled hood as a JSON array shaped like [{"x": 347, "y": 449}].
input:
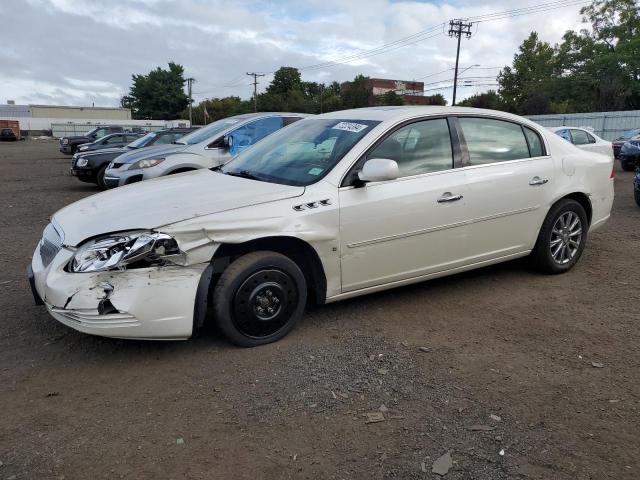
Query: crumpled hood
[
  {"x": 164, "y": 200},
  {"x": 149, "y": 152}
]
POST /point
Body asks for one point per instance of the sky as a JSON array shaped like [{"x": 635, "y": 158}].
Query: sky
[{"x": 83, "y": 52}]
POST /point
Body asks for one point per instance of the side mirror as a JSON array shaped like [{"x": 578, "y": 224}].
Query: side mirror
[
  {"x": 227, "y": 142},
  {"x": 378, "y": 170}
]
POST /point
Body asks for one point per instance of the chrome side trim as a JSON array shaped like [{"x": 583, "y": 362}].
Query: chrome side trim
[{"x": 440, "y": 227}]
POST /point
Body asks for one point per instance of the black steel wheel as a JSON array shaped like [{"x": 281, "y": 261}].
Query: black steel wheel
[{"x": 259, "y": 298}]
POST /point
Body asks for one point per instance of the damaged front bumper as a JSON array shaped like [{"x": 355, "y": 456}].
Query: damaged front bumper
[{"x": 141, "y": 303}]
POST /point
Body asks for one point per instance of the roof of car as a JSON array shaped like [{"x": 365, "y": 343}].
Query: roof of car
[
  {"x": 408, "y": 111},
  {"x": 267, "y": 114}
]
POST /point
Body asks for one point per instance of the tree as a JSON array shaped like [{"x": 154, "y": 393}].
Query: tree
[
  {"x": 218, "y": 108},
  {"x": 390, "y": 98},
  {"x": 490, "y": 100},
  {"x": 284, "y": 81},
  {"x": 356, "y": 94},
  {"x": 531, "y": 75},
  {"x": 159, "y": 95}
]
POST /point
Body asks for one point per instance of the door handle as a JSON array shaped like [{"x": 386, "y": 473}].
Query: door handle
[
  {"x": 538, "y": 181},
  {"x": 447, "y": 197}
]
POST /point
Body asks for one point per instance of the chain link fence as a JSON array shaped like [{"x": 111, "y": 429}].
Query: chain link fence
[{"x": 607, "y": 125}]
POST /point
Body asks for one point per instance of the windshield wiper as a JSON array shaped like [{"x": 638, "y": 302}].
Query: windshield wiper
[
  {"x": 178, "y": 143},
  {"x": 244, "y": 174}
]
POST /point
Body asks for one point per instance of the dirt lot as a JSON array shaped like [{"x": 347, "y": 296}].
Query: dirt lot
[{"x": 500, "y": 341}]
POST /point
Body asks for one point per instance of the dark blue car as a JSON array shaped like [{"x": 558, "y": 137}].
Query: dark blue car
[{"x": 630, "y": 154}]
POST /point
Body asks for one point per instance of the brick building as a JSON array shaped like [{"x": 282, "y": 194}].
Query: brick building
[{"x": 411, "y": 91}]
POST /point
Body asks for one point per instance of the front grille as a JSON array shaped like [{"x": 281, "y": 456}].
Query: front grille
[{"x": 50, "y": 244}]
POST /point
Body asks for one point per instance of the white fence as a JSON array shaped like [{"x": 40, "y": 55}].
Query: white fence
[
  {"x": 608, "y": 125},
  {"x": 75, "y": 126}
]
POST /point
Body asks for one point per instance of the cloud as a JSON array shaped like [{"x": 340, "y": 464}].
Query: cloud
[{"x": 85, "y": 51}]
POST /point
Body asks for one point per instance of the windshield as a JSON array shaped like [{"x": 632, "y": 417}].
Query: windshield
[
  {"x": 628, "y": 134},
  {"x": 300, "y": 154},
  {"x": 209, "y": 131},
  {"x": 143, "y": 141}
]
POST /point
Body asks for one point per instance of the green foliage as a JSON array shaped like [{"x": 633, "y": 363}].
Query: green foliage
[
  {"x": 218, "y": 108},
  {"x": 596, "y": 69},
  {"x": 390, "y": 98},
  {"x": 490, "y": 100},
  {"x": 356, "y": 95},
  {"x": 159, "y": 95}
]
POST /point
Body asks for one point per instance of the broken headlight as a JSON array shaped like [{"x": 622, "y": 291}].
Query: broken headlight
[{"x": 132, "y": 249}]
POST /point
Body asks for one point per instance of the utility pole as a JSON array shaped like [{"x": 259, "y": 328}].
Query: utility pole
[
  {"x": 255, "y": 88},
  {"x": 189, "y": 83},
  {"x": 458, "y": 28}
]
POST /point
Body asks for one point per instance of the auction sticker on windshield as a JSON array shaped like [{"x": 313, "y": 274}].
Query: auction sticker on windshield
[{"x": 349, "y": 127}]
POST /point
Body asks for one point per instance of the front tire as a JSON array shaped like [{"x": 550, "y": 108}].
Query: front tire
[
  {"x": 562, "y": 237},
  {"x": 100, "y": 177},
  {"x": 259, "y": 298}
]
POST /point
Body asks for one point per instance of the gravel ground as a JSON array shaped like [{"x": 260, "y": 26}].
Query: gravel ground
[{"x": 504, "y": 380}]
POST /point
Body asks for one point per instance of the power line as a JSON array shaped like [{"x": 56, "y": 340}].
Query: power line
[
  {"x": 425, "y": 35},
  {"x": 543, "y": 7}
]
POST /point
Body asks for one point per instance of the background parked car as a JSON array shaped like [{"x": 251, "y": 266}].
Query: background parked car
[
  {"x": 113, "y": 140},
  {"x": 618, "y": 142},
  {"x": 630, "y": 154},
  {"x": 207, "y": 147},
  {"x": 90, "y": 166},
  {"x": 7, "y": 134},
  {"x": 69, "y": 145},
  {"x": 584, "y": 139}
]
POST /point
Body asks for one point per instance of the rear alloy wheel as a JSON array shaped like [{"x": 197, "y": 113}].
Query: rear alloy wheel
[
  {"x": 100, "y": 177},
  {"x": 562, "y": 237},
  {"x": 259, "y": 298}
]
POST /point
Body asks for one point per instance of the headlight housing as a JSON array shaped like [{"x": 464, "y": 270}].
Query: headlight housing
[
  {"x": 65, "y": 141},
  {"x": 82, "y": 162},
  {"x": 118, "y": 251},
  {"x": 82, "y": 149},
  {"x": 146, "y": 163}
]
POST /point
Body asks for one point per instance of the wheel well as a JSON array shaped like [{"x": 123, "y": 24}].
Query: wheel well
[
  {"x": 297, "y": 250},
  {"x": 583, "y": 200}
]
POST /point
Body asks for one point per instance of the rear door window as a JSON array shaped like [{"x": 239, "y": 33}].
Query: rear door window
[
  {"x": 535, "y": 143},
  {"x": 490, "y": 141},
  {"x": 580, "y": 137},
  {"x": 253, "y": 132}
]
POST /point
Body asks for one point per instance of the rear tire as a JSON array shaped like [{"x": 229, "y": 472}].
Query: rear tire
[
  {"x": 100, "y": 177},
  {"x": 627, "y": 166},
  {"x": 636, "y": 195},
  {"x": 259, "y": 298},
  {"x": 562, "y": 238}
]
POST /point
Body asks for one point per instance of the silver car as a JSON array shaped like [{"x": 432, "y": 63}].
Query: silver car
[{"x": 208, "y": 147}]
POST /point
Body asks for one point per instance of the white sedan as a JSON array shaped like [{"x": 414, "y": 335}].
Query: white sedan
[
  {"x": 584, "y": 139},
  {"x": 332, "y": 207}
]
